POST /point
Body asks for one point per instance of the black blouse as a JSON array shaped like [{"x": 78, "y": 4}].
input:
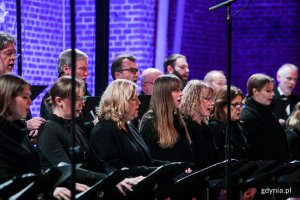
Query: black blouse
[{"x": 54, "y": 143}]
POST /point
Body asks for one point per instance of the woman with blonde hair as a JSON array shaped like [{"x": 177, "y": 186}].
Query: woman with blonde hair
[
  {"x": 293, "y": 133},
  {"x": 114, "y": 138},
  {"x": 56, "y": 137},
  {"x": 162, "y": 127},
  {"x": 196, "y": 106}
]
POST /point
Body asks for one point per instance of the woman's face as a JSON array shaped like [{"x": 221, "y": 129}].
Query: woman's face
[
  {"x": 206, "y": 104},
  {"x": 20, "y": 105},
  {"x": 133, "y": 105},
  {"x": 176, "y": 96},
  {"x": 66, "y": 112},
  {"x": 265, "y": 95},
  {"x": 236, "y": 108}
]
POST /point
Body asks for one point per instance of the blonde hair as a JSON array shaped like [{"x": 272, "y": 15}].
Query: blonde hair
[
  {"x": 191, "y": 96},
  {"x": 114, "y": 101},
  {"x": 294, "y": 120}
]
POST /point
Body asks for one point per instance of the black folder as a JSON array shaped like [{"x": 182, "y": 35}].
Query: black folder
[
  {"x": 36, "y": 90},
  {"x": 30, "y": 186},
  {"x": 160, "y": 182},
  {"x": 89, "y": 110},
  {"x": 103, "y": 189}
]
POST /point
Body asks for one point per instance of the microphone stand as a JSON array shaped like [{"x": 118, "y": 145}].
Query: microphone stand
[
  {"x": 228, "y": 176},
  {"x": 73, "y": 149},
  {"x": 19, "y": 36}
]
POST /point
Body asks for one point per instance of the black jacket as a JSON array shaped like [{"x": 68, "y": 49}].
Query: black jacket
[
  {"x": 119, "y": 148},
  {"x": 265, "y": 136},
  {"x": 203, "y": 146},
  {"x": 238, "y": 146},
  {"x": 293, "y": 139},
  {"x": 17, "y": 155},
  {"x": 280, "y": 103}
]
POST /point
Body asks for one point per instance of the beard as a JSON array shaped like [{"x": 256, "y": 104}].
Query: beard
[{"x": 184, "y": 82}]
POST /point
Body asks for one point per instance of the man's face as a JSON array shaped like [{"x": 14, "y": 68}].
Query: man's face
[
  {"x": 82, "y": 71},
  {"x": 148, "y": 81},
  {"x": 8, "y": 57},
  {"x": 129, "y": 71},
  {"x": 181, "y": 69},
  {"x": 288, "y": 81}
]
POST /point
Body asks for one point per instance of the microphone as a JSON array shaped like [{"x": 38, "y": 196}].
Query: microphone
[{"x": 225, "y": 3}]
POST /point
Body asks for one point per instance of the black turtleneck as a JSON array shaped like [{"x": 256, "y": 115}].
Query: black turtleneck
[{"x": 54, "y": 142}]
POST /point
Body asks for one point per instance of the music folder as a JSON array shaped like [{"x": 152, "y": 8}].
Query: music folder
[
  {"x": 159, "y": 182},
  {"x": 36, "y": 90},
  {"x": 105, "y": 187},
  {"x": 89, "y": 111},
  {"x": 31, "y": 186}
]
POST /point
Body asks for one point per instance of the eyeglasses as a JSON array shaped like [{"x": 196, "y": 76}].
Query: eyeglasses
[
  {"x": 11, "y": 54},
  {"x": 148, "y": 82},
  {"x": 237, "y": 105},
  {"x": 132, "y": 70},
  {"x": 208, "y": 98},
  {"x": 83, "y": 99}
]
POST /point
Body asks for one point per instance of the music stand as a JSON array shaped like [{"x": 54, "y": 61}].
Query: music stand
[
  {"x": 36, "y": 90},
  {"x": 89, "y": 110},
  {"x": 104, "y": 188},
  {"x": 160, "y": 182},
  {"x": 201, "y": 179},
  {"x": 31, "y": 186}
]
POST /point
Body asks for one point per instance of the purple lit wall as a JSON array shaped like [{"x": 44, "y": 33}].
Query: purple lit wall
[
  {"x": 265, "y": 35},
  {"x": 45, "y": 33},
  {"x": 132, "y": 30}
]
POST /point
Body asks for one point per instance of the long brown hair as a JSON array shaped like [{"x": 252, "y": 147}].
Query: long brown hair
[
  {"x": 162, "y": 106},
  {"x": 10, "y": 87}
]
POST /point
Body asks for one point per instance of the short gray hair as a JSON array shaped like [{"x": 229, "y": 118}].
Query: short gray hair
[
  {"x": 6, "y": 38},
  {"x": 65, "y": 58}
]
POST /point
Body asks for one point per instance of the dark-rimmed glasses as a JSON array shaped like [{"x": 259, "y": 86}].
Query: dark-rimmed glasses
[
  {"x": 237, "y": 105},
  {"x": 131, "y": 70},
  {"x": 83, "y": 99}
]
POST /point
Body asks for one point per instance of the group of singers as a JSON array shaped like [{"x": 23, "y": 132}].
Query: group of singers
[{"x": 173, "y": 120}]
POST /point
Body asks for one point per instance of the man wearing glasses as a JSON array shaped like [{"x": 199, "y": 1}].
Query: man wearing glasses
[
  {"x": 8, "y": 54},
  {"x": 8, "y": 58},
  {"x": 124, "y": 67}
]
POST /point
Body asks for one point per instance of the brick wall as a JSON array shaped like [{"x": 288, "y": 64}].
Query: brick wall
[
  {"x": 132, "y": 30},
  {"x": 265, "y": 35},
  {"x": 46, "y": 32}
]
